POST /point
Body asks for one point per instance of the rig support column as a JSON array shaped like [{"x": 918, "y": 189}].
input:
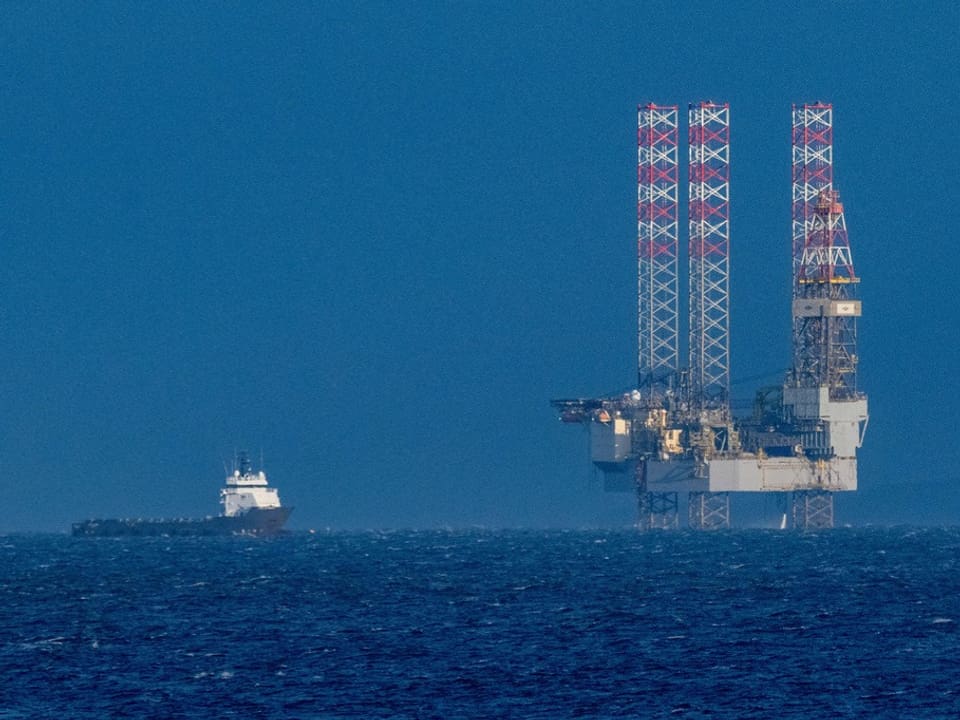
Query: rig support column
[
  {"x": 708, "y": 511},
  {"x": 655, "y": 510},
  {"x": 812, "y": 509}
]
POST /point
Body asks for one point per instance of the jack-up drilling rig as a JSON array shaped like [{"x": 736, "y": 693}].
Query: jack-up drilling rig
[{"x": 675, "y": 432}]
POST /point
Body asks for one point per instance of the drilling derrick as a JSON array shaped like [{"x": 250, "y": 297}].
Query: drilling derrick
[{"x": 825, "y": 310}]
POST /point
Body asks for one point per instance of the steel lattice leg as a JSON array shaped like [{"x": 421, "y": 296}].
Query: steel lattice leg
[
  {"x": 708, "y": 511},
  {"x": 655, "y": 510},
  {"x": 643, "y": 510},
  {"x": 664, "y": 513},
  {"x": 643, "y": 497},
  {"x": 812, "y": 509}
]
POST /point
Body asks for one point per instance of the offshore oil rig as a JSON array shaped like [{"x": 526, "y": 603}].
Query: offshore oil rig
[{"x": 674, "y": 434}]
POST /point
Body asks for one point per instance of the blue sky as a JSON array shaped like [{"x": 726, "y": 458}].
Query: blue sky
[{"x": 371, "y": 241}]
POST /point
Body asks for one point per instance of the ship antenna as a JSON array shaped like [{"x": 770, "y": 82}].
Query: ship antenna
[{"x": 244, "y": 462}]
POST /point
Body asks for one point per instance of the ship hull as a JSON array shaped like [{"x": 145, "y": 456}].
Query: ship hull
[{"x": 255, "y": 521}]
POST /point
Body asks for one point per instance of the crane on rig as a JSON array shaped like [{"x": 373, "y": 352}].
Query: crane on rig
[{"x": 674, "y": 434}]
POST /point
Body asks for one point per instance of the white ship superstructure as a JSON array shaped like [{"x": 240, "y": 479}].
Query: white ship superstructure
[{"x": 246, "y": 490}]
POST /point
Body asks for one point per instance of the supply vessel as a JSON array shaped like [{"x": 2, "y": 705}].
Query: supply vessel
[{"x": 249, "y": 506}]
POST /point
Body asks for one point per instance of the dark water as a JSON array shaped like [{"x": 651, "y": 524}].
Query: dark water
[{"x": 744, "y": 624}]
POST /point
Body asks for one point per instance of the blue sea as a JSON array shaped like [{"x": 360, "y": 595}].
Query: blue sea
[{"x": 848, "y": 623}]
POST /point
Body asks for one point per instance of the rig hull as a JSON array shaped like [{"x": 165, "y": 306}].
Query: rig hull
[{"x": 255, "y": 521}]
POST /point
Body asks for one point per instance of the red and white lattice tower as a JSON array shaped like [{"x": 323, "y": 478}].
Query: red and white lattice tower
[
  {"x": 709, "y": 256},
  {"x": 812, "y": 171},
  {"x": 657, "y": 243},
  {"x": 821, "y": 402}
]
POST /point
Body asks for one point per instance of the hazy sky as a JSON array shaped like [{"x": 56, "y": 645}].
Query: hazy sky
[{"x": 372, "y": 240}]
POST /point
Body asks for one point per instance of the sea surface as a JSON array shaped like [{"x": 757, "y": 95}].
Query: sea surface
[{"x": 849, "y": 623}]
